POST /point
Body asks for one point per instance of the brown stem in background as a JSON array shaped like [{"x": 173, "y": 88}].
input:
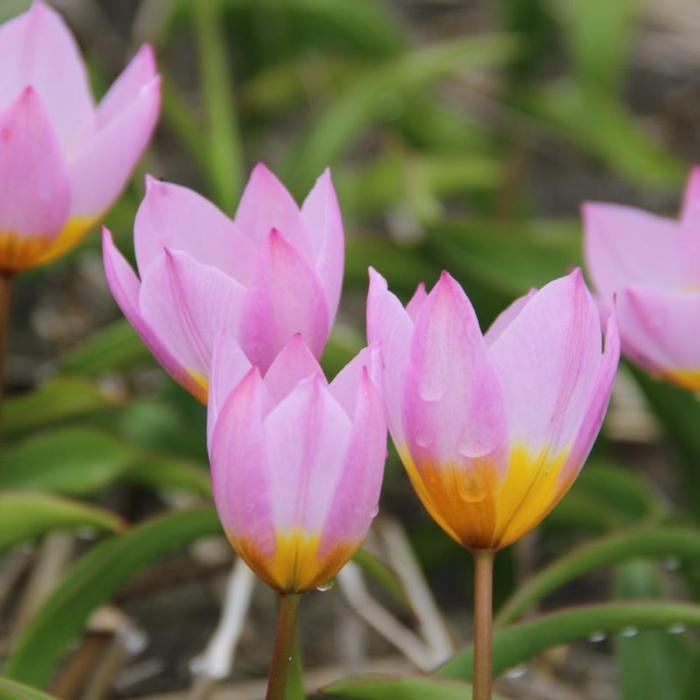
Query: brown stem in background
[
  {"x": 287, "y": 610},
  {"x": 5, "y": 294},
  {"x": 483, "y": 623}
]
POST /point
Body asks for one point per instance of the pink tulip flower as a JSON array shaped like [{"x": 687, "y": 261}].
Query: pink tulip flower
[
  {"x": 493, "y": 429},
  {"x": 652, "y": 265},
  {"x": 63, "y": 160},
  {"x": 296, "y": 462},
  {"x": 274, "y": 271}
]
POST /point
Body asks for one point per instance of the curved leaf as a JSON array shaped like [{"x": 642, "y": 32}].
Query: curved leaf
[
  {"x": 26, "y": 515},
  {"x": 11, "y": 690},
  {"x": 93, "y": 581},
  {"x": 607, "y": 551}
]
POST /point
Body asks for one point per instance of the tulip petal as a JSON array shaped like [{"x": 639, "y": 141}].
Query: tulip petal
[
  {"x": 294, "y": 363},
  {"x": 265, "y": 205},
  {"x": 35, "y": 195},
  {"x": 323, "y": 222},
  {"x": 453, "y": 407},
  {"x": 176, "y": 217},
  {"x": 655, "y": 328},
  {"x": 416, "y": 302},
  {"x": 690, "y": 228},
  {"x": 346, "y": 385},
  {"x": 506, "y": 317},
  {"x": 240, "y": 474},
  {"x": 284, "y": 298},
  {"x": 100, "y": 171},
  {"x": 389, "y": 325},
  {"x": 356, "y": 498},
  {"x": 37, "y": 49},
  {"x": 187, "y": 304},
  {"x": 306, "y": 440},
  {"x": 228, "y": 367},
  {"x": 625, "y": 246},
  {"x": 126, "y": 88},
  {"x": 125, "y": 288},
  {"x": 547, "y": 359}
]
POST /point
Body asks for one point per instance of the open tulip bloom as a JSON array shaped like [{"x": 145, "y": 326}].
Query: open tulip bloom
[
  {"x": 273, "y": 271},
  {"x": 492, "y": 429},
  {"x": 652, "y": 265},
  {"x": 297, "y": 467},
  {"x": 63, "y": 160}
]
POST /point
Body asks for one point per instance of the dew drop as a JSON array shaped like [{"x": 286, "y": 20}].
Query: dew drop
[
  {"x": 630, "y": 632},
  {"x": 678, "y": 628},
  {"x": 423, "y": 440},
  {"x": 326, "y": 585},
  {"x": 516, "y": 672},
  {"x": 597, "y": 637}
]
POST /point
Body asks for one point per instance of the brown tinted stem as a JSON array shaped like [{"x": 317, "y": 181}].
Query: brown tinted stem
[
  {"x": 5, "y": 294},
  {"x": 287, "y": 613},
  {"x": 483, "y": 623}
]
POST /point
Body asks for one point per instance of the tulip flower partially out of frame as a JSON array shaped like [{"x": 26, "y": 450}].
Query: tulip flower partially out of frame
[
  {"x": 297, "y": 467},
  {"x": 273, "y": 271},
  {"x": 652, "y": 265},
  {"x": 63, "y": 160},
  {"x": 492, "y": 429}
]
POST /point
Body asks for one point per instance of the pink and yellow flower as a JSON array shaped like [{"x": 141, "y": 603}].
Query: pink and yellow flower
[
  {"x": 492, "y": 429},
  {"x": 652, "y": 265},
  {"x": 63, "y": 160},
  {"x": 296, "y": 462},
  {"x": 273, "y": 271}
]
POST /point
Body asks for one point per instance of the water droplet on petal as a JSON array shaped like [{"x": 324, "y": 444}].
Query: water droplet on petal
[
  {"x": 678, "y": 628},
  {"x": 597, "y": 637},
  {"x": 326, "y": 585},
  {"x": 424, "y": 440},
  {"x": 516, "y": 672},
  {"x": 630, "y": 631}
]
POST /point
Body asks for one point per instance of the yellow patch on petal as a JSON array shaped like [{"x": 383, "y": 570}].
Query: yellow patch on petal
[
  {"x": 19, "y": 253},
  {"x": 481, "y": 508},
  {"x": 297, "y": 564},
  {"x": 199, "y": 386},
  {"x": 686, "y": 378}
]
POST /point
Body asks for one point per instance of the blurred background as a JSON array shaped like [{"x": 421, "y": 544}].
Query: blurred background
[{"x": 462, "y": 135}]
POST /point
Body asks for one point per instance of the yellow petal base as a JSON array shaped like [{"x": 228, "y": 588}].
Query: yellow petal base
[
  {"x": 482, "y": 509},
  {"x": 686, "y": 378},
  {"x": 19, "y": 253},
  {"x": 295, "y": 566}
]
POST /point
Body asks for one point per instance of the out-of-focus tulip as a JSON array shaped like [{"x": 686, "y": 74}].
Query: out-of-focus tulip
[
  {"x": 652, "y": 265},
  {"x": 274, "y": 271},
  {"x": 63, "y": 160},
  {"x": 493, "y": 429},
  {"x": 296, "y": 462}
]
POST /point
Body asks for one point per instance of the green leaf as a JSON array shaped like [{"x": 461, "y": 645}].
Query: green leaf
[
  {"x": 26, "y": 516},
  {"x": 93, "y": 581},
  {"x": 75, "y": 461},
  {"x": 386, "y": 687},
  {"x": 377, "y": 93},
  {"x": 383, "y": 575},
  {"x": 11, "y": 690},
  {"x": 683, "y": 543},
  {"x": 656, "y": 664},
  {"x": 515, "y": 645},
  {"x": 166, "y": 473},
  {"x": 58, "y": 399},
  {"x": 112, "y": 348}
]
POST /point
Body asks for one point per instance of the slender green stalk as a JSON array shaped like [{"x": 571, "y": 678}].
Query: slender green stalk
[
  {"x": 217, "y": 88},
  {"x": 5, "y": 295},
  {"x": 282, "y": 656},
  {"x": 483, "y": 623}
]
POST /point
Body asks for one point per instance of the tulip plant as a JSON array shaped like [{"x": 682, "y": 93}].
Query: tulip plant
[{"x": 493, "y": 428}]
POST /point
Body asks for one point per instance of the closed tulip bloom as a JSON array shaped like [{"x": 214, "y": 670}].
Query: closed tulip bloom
[
  {"x": 296, "y": 462},
  {"x": 652, "y": 265},
  {"x": 494, "y": 428},
  {"x": 63, "y": 160},
  {"x": 273, "y": 271}
]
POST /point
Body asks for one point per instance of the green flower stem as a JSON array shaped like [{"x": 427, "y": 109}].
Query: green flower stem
[
  {"x": 605, "y": 551},
  {"x": 217, "y": 87},
  {"x": 5, "y": 295},
  {"x": 282, "y": 656},
  {"x": 483, "y": 623}
]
